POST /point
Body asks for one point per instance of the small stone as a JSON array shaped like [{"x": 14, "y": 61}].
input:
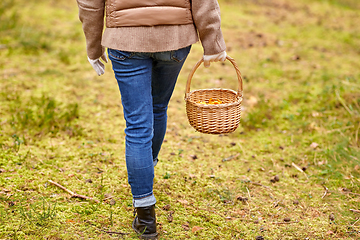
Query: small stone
[
  {"x": 287, "y": 219},
  {"x": 242, "y": 199},
  {"x": 275, "y": 179}
]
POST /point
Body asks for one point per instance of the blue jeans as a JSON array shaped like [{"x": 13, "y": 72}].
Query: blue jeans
[{"x": 146, "y": 82}]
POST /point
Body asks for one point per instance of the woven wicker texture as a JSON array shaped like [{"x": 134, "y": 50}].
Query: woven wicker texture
[{"x": 217, "y": 118}]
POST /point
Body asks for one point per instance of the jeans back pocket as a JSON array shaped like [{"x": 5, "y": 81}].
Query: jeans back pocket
[{"x": 180, "y": 54}]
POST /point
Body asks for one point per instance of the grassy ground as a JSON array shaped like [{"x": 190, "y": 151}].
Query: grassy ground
[{"x": 290, "y": 171}]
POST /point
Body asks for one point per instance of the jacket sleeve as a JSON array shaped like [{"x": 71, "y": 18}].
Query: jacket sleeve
[
  {"x": 91, "y": 14},
  {"x": 206, "y": 16}
]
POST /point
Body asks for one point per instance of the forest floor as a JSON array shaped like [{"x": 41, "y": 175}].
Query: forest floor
[{"x": 290, "y": 171}]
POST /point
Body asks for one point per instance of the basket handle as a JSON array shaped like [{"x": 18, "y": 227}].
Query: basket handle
[{"x": 238, "y": 73}]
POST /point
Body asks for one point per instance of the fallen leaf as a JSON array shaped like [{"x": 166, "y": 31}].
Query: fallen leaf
[
  {"x": 166, "y": 207},
  {"x": 191, "y": 176},
  {"x": 295, "y": 58},
  {"x": 196, "y": 228},
  {"x": 185, "y": 226},
  {"x": 252, "y": 101},
  {"x": 108, "y": 195},
  {"x": 112, "y": 202},
  {"x": 170, "y": 217},
  {"x": 183, "y": 201},
  {"x": 321, "y": 163},
  {"x": 314, "y": 145}
]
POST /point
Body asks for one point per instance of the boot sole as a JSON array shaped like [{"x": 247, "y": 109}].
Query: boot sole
[{"x": 152, "y": 236}]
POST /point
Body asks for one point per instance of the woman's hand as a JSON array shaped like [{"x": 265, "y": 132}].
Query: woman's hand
[
  {"x": 214, "y": 58},
  {"x": 98, "y": 66}
]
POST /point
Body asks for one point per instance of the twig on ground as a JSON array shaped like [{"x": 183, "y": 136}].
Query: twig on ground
[
  {"x": 298, "y": 168},
  {"x": 355, "y": 222},
  {"x": 276, "y": 203},
  {"x": 73, "y": 194},
  {"x": 326, "y": 191},
  {"x": 278, "y": 223},
  {"x": 230, "y": 158},
  {"x": 357, "y": 133},
  {"x": 354, "y": 210},
  {"x": 259, "y": 184},
  {"x": 248, "y": 193},
  {"x": 357, "y": 194},
  {"x": 111, "y": 232},
  {"x": 108, "y": 232}
]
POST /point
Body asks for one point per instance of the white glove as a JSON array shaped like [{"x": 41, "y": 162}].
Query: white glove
[
  {"x": 214, "y": 58},
  {"x": 98, "y": 65}
]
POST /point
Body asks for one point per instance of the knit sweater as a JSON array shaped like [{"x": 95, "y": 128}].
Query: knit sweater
[{"x": 153, "y": 37}]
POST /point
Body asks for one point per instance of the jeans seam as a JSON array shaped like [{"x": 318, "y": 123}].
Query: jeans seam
[{"x": 123, "y": 57}]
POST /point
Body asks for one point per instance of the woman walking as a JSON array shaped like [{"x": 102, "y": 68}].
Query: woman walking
[{"x": 148, "y": 42}]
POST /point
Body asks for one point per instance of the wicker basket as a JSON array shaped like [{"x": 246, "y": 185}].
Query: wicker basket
[{"x": 217, "y": 118}]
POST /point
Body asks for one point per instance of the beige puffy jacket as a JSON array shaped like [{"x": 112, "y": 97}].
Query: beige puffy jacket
[{"x": 150, "y": 25}]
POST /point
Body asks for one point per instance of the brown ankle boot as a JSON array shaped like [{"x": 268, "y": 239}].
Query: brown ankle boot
[{"x": 145, "y": 222}]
